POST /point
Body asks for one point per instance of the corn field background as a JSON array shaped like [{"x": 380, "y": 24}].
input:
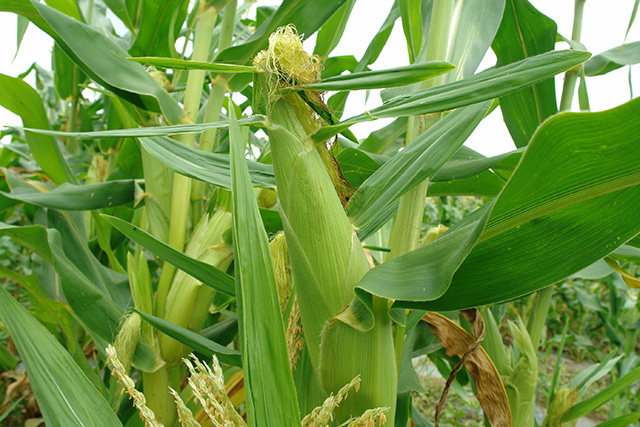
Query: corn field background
[{"x": 192, "y": 235}]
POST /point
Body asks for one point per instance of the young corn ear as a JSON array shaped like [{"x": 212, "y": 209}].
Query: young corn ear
[
  {"x": 188, "y": 300},
  {"x": 327, "y": 259}
]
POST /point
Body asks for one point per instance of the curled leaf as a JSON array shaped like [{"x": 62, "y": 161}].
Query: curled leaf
[{"x": 490, "y": 390}]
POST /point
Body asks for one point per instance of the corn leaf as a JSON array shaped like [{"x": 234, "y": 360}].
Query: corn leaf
[
  {"x": 554, "y": 217},
  {"x": 89, "y": 287},
  {"x": 26, "y": 9},
  {"x": 485, "y": 184},
  {"x": 158, "y": 27},
  {"x": 193, "y": 340},
  {"x": 106, "y": 62},
  {"x": 264, "y": 349},
  {"x": 417, "y": 162},
  {"x": 65, "y": 396},
  {"x": 425, "y": 273},
  {"x": 621, "y": 421},
  {"x": 377, "y": 79},
  {"x": 79, "y": 197},
  {"x": 612, "y": 59},
  {"x": 587, "y": 406},
  {"x": 209, "y": 167},
  {"x": 332, "y": 30},
  {"x": 525, "y": 32},
  {"x": 256, "y": 120},
  {"x": 21, "y": 99},
  {"x": 467, "y": 163},
  {"x": 206, "y": 273},
  {"x": 184, "y": 64},
  {"x": 475, "y": 27},
  {"x": 489, "y": 84}
]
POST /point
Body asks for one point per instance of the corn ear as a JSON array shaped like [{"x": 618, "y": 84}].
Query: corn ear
[
  {"x": 188, "y": 300},
  {"x": 521, "y": 383},
  {"x": 327, "y": 258}
]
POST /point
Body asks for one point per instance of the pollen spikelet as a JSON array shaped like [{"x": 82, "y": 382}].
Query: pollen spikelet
[
  {"x": 295, "y": 342},
  {"x": 370, "y": 418},
  {"x": 208, "y": 388},
  {"x": 185, "y": 416},
  {"x": 322, "y": 415},
  {"x": 139, "y": 401}
]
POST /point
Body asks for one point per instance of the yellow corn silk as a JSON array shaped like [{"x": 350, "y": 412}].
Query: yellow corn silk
[{"x": 327, "y": 259}]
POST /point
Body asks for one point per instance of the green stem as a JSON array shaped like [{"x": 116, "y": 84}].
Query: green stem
[
  {"x": 214, "y": 107},
  {"x": 74, "y": 145},
  {"x": 156, "y": 391},
  {"x": 571, "y": 76},
  {"x": 405, "y": 233},
  {"x": 181, "y": 190},
  {"x": 407, "y": 224}
]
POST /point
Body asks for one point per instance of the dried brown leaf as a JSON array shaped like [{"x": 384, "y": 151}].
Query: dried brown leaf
[{"x": 490, "y": 390}]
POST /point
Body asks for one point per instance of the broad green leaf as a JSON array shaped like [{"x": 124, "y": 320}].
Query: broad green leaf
[
  {"x": 65, "y": 396},
  {"x": 45, "y": 309},
  {"x": 207, "y": 274},
  {"x": 390, "y": 77},
  {"x": 489, "y": 84},
  {"x": 264, "y": 348},
  {"x": 475, "y": 27},
  {"x": 193, "y": 340},
  {"x": 410, "y": 13},
  {"x": 632, "y": 18},
  {"x": 338, "y": 101},
  {"x": 26, "y": 9},
  {"x": 587, "y": 406},
  {"x": 612, "y": 59},
  {"x": 386, "y": 140},
  {"x": 119, "y": 8},
  {"x": 79, "y": 197},
  {"x": 209, "y": 167},
  {"x": 356, "y": 166},
  {"x": 256, "y": 120},
  {"x": 425, "y": 273},
  {"x": 67, "y": 77},
  {"x": 623, "y": 420},
  {"x": 86, "y": 296},
  {"x": 570, "y": 202},
  {"x": 306, "y": 15},
  {"x": 74, "y": 245},
  {"x": 184, "y": 64},
  {"x": 466, "y": 172},
  {"x": 331, "y": 32},
  {"x": 485, "y": 184},
  {"x": 337, "y": 65},
  {"x": 106, "y": 63},
  {"x": 593, "y": 373},
  {"x": 159, "y": 27},
  {"x": 525, "y": 32},
  {"x": 467, "y": 163},
  {"x": 417, "y": 162},
  {"x": 21, "y": 99},
  {"x": 21, "y": 28}
]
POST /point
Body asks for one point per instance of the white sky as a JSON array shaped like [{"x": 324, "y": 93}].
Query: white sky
[{"x": 604, "y": 26}]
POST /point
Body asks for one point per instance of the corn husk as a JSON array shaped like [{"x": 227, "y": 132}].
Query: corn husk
[
  {"x": 188, "y": 300},
  {"x": 327, "y": 259}
]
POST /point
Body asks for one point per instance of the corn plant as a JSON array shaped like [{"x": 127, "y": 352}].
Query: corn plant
[{"x": 166, "y": 217}]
